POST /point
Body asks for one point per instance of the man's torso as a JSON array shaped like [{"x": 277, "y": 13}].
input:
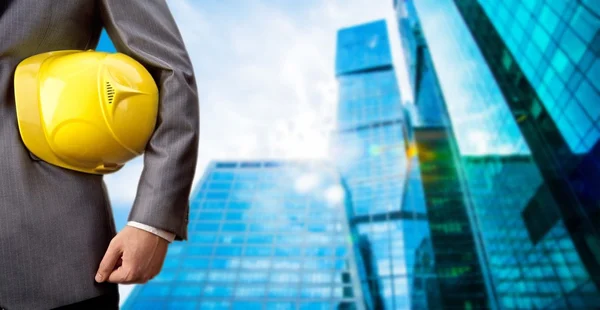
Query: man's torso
[{"x": 54, "y": 224}]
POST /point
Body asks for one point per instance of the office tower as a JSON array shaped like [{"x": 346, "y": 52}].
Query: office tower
[
  {"x": 519, "y": 81},
  {"x": 452, "y": 245},
  {"x": 369, "y": 148},
  {"x": 262, "y": 235},
  {"x": 551, "y": 82}
]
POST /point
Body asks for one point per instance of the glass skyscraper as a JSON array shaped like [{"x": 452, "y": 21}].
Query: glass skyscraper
[
  {"x": 262, "y": 235},
  {"x": 546, "y": 60},
  {"x": 453, "y": 277},
  {"x": 369, "y": 147},
  {"x": 518, "y": 80}
]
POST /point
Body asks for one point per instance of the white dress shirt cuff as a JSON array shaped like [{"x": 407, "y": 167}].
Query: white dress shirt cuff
[{"x": 159, "y": 232}]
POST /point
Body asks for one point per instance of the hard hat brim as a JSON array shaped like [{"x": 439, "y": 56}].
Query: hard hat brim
[{"x": 28, "y": 109}]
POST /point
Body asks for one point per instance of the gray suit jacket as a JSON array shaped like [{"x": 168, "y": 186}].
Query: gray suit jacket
[{"x": 55, "y": 224}]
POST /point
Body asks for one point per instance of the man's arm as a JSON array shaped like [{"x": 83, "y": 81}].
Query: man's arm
[{"x": 146, "y": 31}]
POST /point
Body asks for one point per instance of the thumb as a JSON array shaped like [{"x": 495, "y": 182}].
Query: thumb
[{"x": 107, "y": 265}]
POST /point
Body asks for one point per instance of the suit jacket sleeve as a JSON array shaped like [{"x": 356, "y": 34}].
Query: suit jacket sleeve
[{"x": 146, "y": 31}]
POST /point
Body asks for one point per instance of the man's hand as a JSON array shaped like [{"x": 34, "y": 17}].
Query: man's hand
[{"x": 133, "y": 256}]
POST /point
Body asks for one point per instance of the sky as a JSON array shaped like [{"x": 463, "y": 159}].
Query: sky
[{"x": 265, "y": 75}]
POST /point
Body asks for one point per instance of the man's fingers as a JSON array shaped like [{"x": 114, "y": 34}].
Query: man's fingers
[
  {"x": 121, "y": 275},
  {"x": 111, "y": 257},
  {"x": 136, "y": 259},
  {"x": 127, "y": 275}
]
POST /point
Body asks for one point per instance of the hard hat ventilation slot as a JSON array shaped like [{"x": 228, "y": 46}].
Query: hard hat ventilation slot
[{"x": 110, "y": 91}]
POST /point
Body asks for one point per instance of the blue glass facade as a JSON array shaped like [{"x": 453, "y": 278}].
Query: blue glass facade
[
  {"x": 363, "y": 48},
  {"x": 422, "y": 283},
  {"x": 370, "y": 147},
  {"x": 546, "y": 82},
  {"x": 480, "y": 119},
  {"x": 445, "y": 279},
  {"x": 528, "y": 175},
  {"x": 527, "y": 272},
  {"x": 556, "y": 44},
  {"x": 262, "y": 235},
  {"x": 427, "y": 108},
  {"x": 369, "y": 98}
]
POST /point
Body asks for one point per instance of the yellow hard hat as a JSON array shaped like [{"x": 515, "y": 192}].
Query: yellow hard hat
[{"x": 85, "y": 110}]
